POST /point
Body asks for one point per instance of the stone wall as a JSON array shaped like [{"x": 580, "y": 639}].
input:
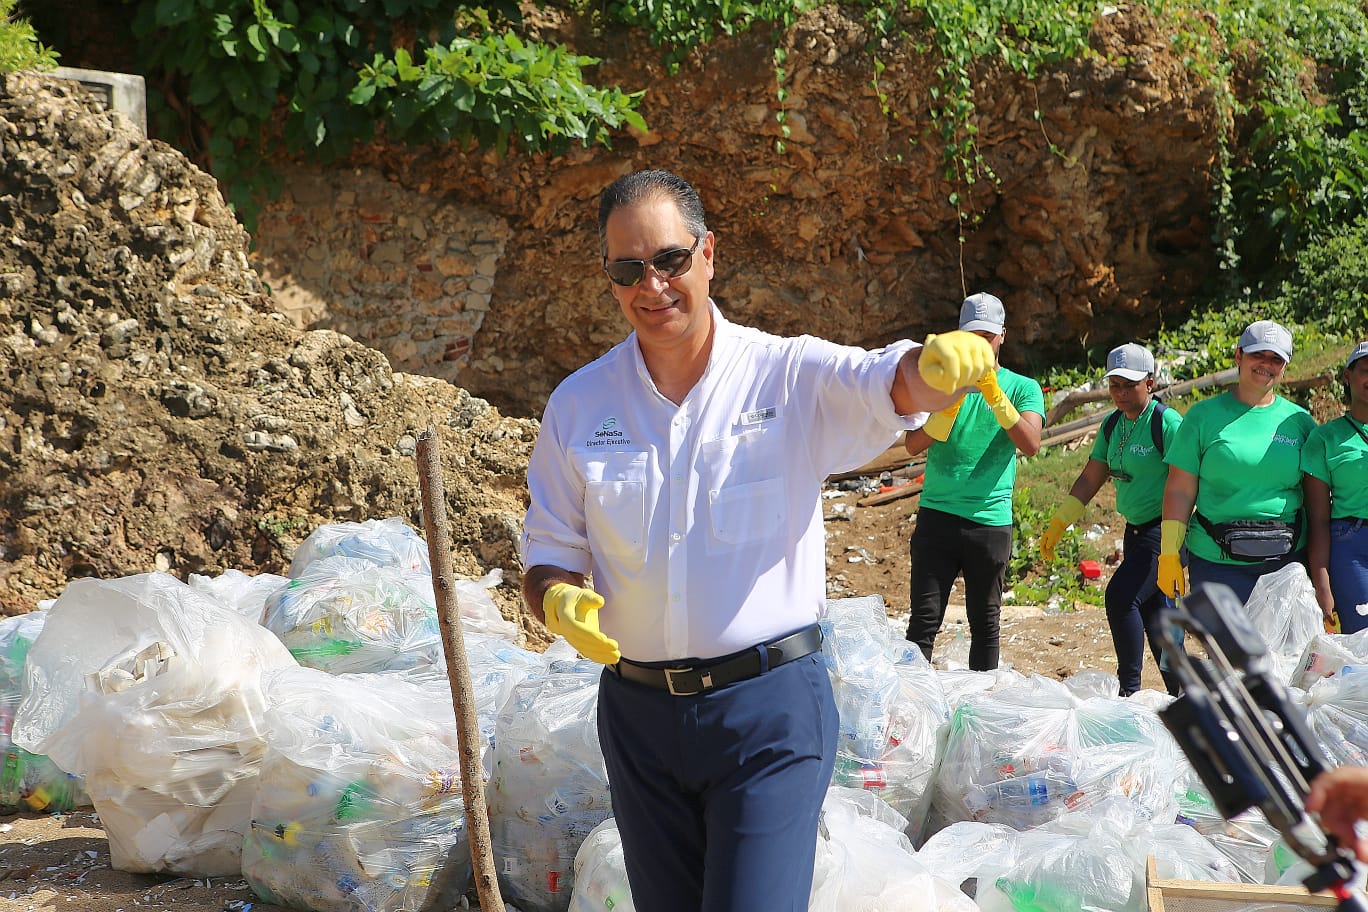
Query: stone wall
[{"x": 399, "y": 269}]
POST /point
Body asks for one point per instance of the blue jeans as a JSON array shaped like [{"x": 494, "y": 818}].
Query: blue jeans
[
  {"x": 1349, "y": 572},
  {"x": 717, "y": 795},
  {"x": 1133, "y": 604},
  {"x": 1240, "y": 577}
]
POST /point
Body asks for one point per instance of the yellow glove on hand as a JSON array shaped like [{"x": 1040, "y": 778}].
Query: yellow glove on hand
[
  {"x": 938, "y": 426},
  {"x": 1332, "y": 622},
  {"x": 955, "y": 359},
  {"x": 1003, "y": 410},
  {"x": 572, "y": 612},
  {"x": 1170, "y": 577},
  {"x": 1068, "y": 513}
]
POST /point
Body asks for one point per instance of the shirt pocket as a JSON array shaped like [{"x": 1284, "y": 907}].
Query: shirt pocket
[
  {"x": 615, "y": 506},
  {"x": 746, "y": 501}
]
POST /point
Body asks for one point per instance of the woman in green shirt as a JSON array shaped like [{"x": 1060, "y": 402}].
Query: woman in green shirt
[
  {"x": 1335, "y": 461},
  {"x": 1237, "y": 460},
  {"x": 1130, "y": 451}
]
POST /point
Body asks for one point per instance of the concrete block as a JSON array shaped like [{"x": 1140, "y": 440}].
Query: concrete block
[{"x": 122, "y": 92}]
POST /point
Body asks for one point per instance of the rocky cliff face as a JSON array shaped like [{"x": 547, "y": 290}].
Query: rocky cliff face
[
  {"x": 1093, "y": 230},
  {"x": 156, "y": 413}
]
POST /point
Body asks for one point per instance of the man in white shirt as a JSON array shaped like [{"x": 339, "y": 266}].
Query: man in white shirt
[{"x": 682, "y": 471}]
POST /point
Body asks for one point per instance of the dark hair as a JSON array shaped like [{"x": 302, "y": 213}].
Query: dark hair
[{"x": 642, "y": 185}]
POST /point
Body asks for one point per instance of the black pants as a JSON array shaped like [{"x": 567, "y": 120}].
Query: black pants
[
  {"x": 943, "y": 547},
  {"x": 1133, "y": 605}
]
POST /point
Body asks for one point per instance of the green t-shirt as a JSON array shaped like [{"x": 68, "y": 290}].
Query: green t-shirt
[
  {"x": 1247, "y": 462},
  {"x": 1131, "y": 450},
  {"x": 971, "y": 474},
  {"x": 1338, "y": 456}
]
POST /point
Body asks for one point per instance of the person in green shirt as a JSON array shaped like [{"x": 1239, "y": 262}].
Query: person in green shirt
[
  {"x": 1335, "y": 460},
  {"x": 964, "y": 520},
  {"x": 1130, "y": 451},
  {"x": 1237, "y": 460}
]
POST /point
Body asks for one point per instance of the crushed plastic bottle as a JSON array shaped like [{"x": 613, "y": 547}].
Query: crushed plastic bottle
[{"x": 955, "y": 655}]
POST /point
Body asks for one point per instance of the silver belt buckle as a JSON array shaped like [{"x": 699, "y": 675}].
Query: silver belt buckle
[{"x": 705, "y": 679}]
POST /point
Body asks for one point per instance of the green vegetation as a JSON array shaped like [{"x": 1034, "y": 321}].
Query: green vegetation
[
  {"x": 327, "y": 74},
  {"x": 19, "y": 45}
]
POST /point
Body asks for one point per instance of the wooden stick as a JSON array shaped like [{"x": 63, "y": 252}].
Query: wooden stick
[
  {"x": 1081, "y": 397},
  {"x": 458, "y": 670},
  {"x": 883, "y": 497},
  {"x": 895, "y": 457}
]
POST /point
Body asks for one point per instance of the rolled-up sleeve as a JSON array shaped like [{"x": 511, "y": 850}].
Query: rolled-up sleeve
[{"x": 855, "y": 419}]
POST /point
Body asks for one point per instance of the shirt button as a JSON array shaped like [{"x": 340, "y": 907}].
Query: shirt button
[
  {"x": 675, "y": 536},
  {"x": 674, "y": 596}
]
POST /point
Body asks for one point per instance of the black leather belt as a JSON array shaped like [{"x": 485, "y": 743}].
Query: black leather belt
[{"x": 688, "y": 680}]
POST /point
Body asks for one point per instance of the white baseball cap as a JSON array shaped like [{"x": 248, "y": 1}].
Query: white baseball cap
[
  {"x": 1131, "y": 361},
  {"x": 1360, "y": 351},
  {"x": 982, "y": 312},
  {"x": 1266, "y": 336}
]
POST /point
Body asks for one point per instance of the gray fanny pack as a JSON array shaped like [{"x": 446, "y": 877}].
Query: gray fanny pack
[{"x": 1252, "y": 540}]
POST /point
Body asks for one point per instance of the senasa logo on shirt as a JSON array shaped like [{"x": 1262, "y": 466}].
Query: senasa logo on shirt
[
  {"x": 1287, "y": 441},
  {"x": 608, "y": 434}
]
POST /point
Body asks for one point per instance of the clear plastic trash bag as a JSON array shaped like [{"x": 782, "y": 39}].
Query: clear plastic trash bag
[
  {"x": 383, "y": 542},
  {"x": 153, "y": 693},
  {"x": 359, "y": 806},
  {"x": 28, "y": 782},
  {"x": 1283, "y": 609},
  {"x": 244, "y": 593},
  {"x": 892, "y": 710},
  {"x": 549, "y": 785},
  {"x": 1025, "y": 755},
  {"x": 865, "y": 862}
]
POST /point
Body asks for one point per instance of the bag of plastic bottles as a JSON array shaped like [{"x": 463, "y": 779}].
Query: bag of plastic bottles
[
  {"x": 601, "y": 873},
  {"x": 383, "y": 542},
  {"x": 29, "y": 782},
  {"x": 1329, "y": 653},
  {"x": 496, "y": 668},
  {"x": 1246, "y": 840},
  {"x": 1095, "y": 862},
  {"x": 549, "y": 785},
  {"x": 359, "y": 806},
  {"x": 1025, "y": 755},
  {"x": 1337, "y": 713},
  {"x": 152, "y": 692},
  {"x": 892, "y": 709},
  {"x": 1283, "y": 609},
  {"x": 244, "y": 593},
  {"x": 344, "y": 614},
  {"x": 864, "y": 861}
]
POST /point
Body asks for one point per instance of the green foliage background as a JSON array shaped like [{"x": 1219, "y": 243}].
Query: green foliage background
[{"x": 20, "y": 48}]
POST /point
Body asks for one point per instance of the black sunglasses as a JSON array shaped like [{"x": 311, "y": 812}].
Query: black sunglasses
[{"x": 668, "y": 265}]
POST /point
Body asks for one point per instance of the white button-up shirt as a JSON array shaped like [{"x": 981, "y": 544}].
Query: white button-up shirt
[{"x": 701, "y": 523}]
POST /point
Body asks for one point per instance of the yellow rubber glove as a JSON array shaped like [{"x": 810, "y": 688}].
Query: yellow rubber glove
[
  {"x": 955, "y": 359},
  {"x": 1170, "y": 577},
  {"x": 1332, "y": 622},
  {"x": 1069, "y": 512},
  {"x": 938, "y": 426},
  {"x": 1003, "y": 410},
  {"x": 572, "y": 612}
]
